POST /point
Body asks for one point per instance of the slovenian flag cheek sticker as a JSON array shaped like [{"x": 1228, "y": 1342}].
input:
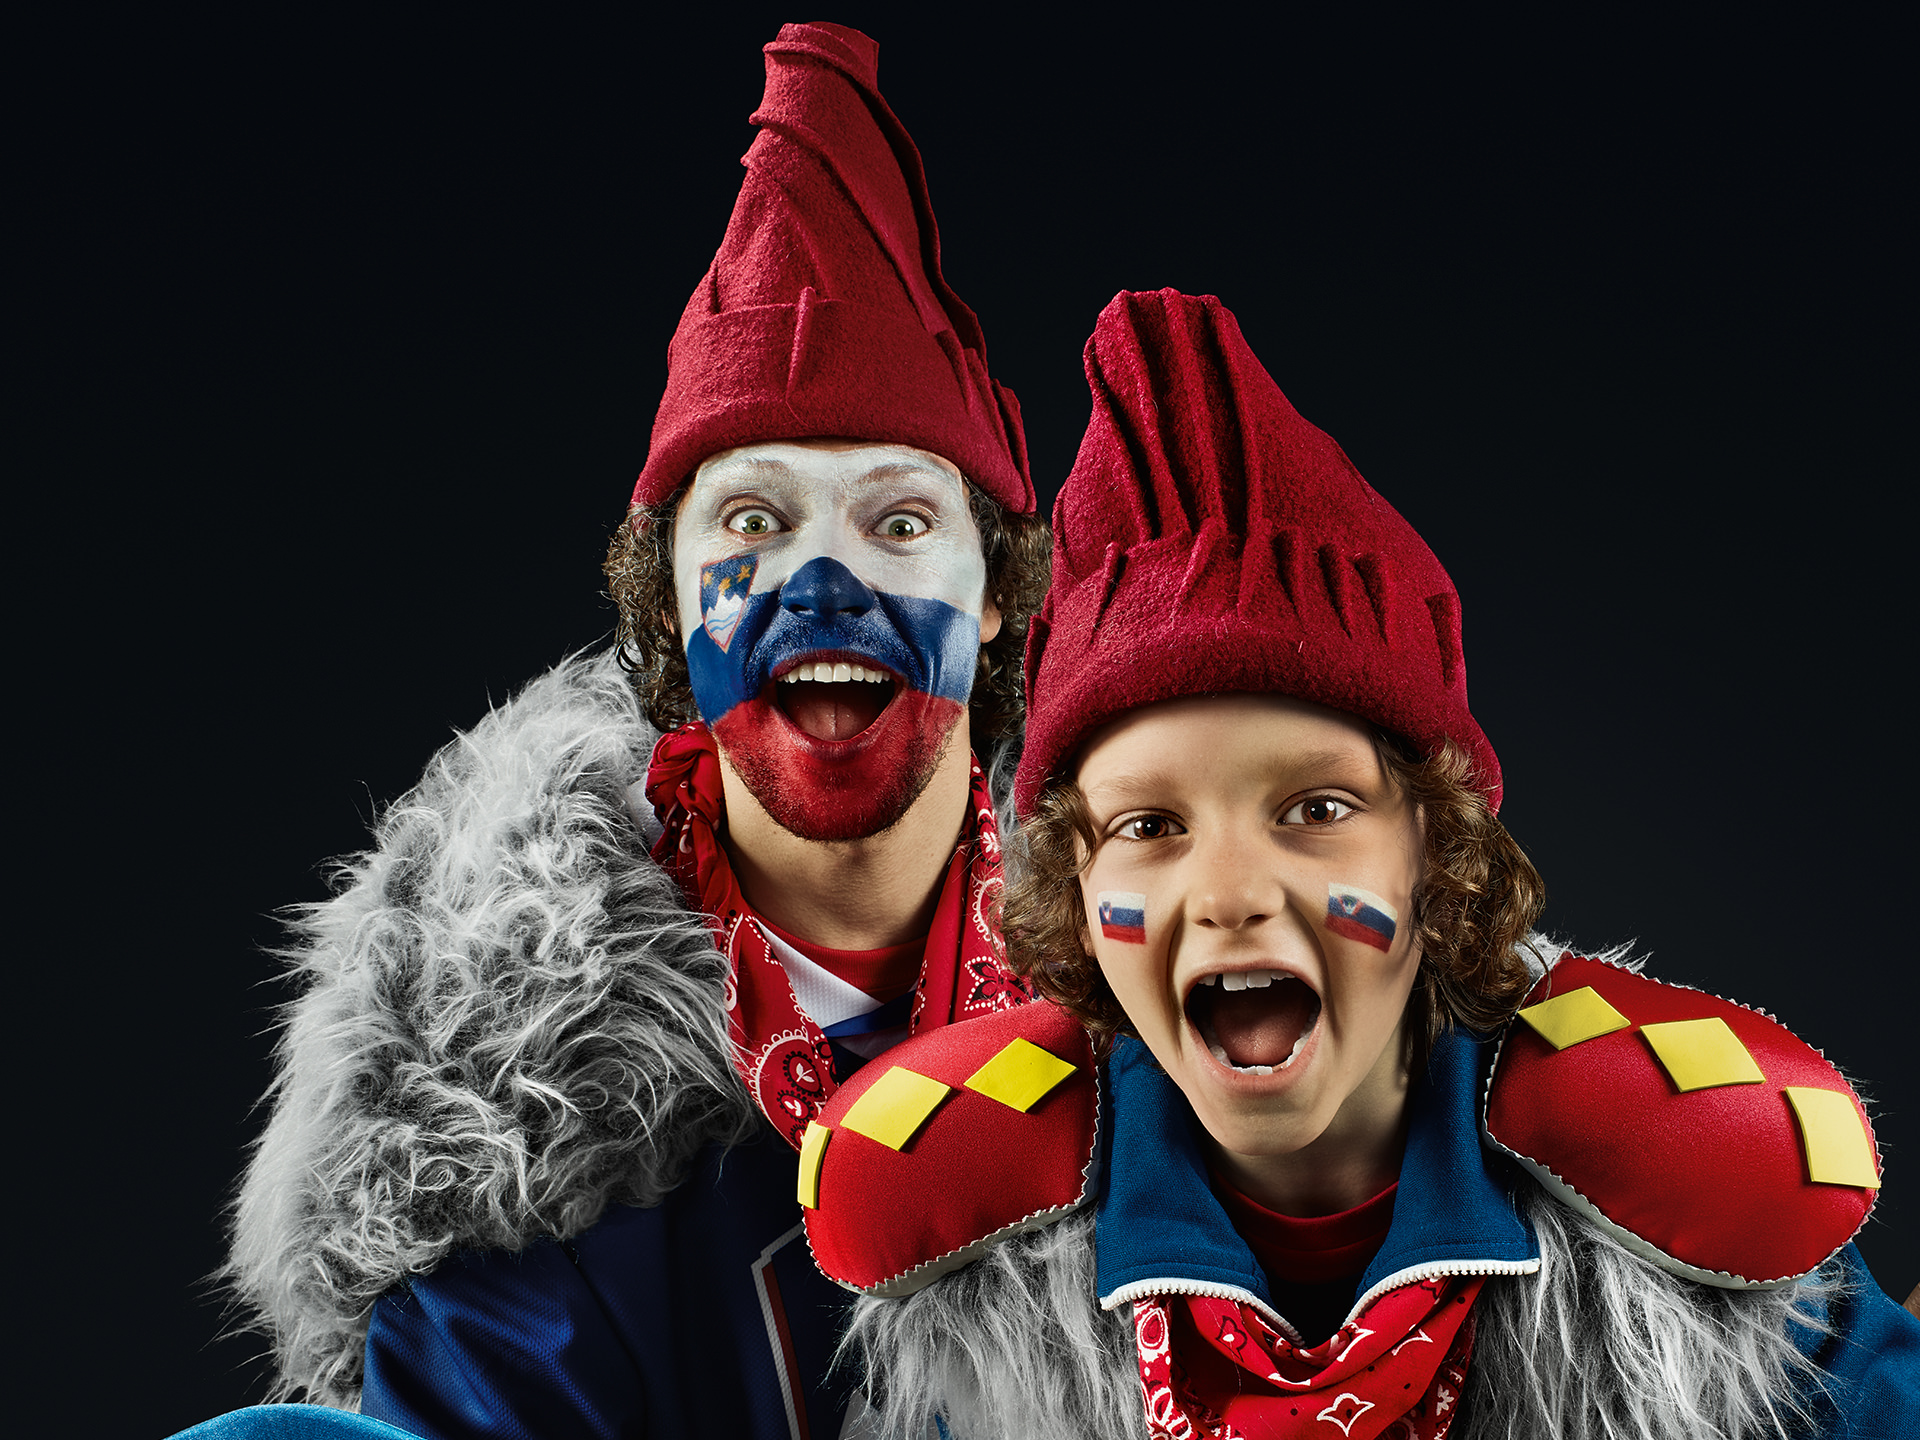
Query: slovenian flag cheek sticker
[
  {"x": 1357, "y": 914},
  {"x": 1123, "y": 916}
]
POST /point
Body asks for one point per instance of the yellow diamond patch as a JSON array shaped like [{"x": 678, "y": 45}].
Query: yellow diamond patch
[
  {"x": 1020, "y": 1076},
  {"x": 1578, "y": 1015},
  {"x": 897, "y": 1106},
  {"x": 1700, "y": 1054},
  {"x": 813, "y": 1145},
  {"x": 1838, "y": 1151}
]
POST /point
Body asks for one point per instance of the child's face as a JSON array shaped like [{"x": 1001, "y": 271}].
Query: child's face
[{"x": 1254, "y": 836}]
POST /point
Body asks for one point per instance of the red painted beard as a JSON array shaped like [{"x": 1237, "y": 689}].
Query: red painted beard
[{"x": 838, "y": 789}]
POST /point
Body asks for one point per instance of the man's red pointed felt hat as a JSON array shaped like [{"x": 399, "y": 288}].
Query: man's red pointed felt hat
[{"x": 824, "y": 314}]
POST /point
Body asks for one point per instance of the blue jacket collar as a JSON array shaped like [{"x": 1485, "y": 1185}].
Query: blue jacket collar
[{"x": 1159, "y": 1228}]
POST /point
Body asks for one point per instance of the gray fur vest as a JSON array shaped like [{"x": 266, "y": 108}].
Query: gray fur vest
[
  {"x": 1599, "y": 1343},
  {"x": 508, "y": 1020}
]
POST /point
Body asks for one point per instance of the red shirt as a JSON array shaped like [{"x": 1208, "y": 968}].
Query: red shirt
[{"x": 1313, "y": 1266}]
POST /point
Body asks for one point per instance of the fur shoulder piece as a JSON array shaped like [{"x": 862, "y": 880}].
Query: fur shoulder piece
[
  {"x": 1603, "y": 1344},
  {"x": 1599, "y": 1345},
  {"x": 508, "y": 1019},
  {"x": 1014, "y": 1345}
]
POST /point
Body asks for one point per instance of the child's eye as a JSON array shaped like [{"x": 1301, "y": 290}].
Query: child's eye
[
  {"x": 901, "y": 525},
  {"x": 754, "y": 522},
  {"x": 1147, "y": 827},
  {"x": 1317, "y": 810}
]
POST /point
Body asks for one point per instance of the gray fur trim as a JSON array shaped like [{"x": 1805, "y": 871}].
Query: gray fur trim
[
  {"x": 1014, "y": 1345},
  {"x": 508, "y": 1020},
  {"x": 1000, "y": 767},
  {"x": 1602, "y": 1343}
]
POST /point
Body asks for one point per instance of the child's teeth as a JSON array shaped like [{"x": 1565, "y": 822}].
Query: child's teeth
[
  {"x": 1219, "y": 1052},
  {"x": 1246, "y": 980}
]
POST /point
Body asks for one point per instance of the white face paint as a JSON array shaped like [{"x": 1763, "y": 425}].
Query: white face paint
[
  {"x": 895, "y": 516},
  {"x": 832, "y": 601}
]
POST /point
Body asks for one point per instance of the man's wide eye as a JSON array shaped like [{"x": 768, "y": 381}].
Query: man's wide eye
[
  {"x": 753, "y": 522},
  {"x": 902, "y": 526},
  {"x": 1318, "y": 810}
]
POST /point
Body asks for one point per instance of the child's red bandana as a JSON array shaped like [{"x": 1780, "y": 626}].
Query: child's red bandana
[
  {"x": 1212, "y": 1369},
  {"x": 780, "y": 1052}
]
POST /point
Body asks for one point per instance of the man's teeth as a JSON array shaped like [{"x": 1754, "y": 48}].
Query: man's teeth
[{"x": 829, "y": 672}]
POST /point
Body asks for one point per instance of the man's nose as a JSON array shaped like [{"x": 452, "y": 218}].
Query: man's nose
[{"x": 825, "y": 589}]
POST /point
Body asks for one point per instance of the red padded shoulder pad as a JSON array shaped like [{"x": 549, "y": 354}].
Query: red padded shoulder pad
[
  {"x": 1701, "y": 1134},
  {"x": 948, "y": 1142}
]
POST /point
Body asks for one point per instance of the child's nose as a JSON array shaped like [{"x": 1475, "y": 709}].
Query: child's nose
[{"x": 1238, "y": 886}]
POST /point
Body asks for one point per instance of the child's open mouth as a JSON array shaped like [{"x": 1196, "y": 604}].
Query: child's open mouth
[
  {"x": 1253, "y": 1021},
  {"x": 833, "y": 700}
]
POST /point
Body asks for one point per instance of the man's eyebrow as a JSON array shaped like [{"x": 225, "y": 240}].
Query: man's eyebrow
[
  {"x": 905, "y": 470},
  {"x": 759, "y": 466}
]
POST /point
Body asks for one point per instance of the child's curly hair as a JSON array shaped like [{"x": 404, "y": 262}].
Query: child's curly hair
[
  {"x": 639, "y": 570},
  {"x": 1472, "y": 911}
]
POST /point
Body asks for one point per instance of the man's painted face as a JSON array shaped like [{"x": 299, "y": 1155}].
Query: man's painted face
[
  {"x": 833, "y": 601},
  {"x": 1250, "y": 902}
]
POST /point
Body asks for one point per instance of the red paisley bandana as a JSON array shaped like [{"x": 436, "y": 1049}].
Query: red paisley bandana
[
  {"x": 1212, "y": 1369},
  {"x": 785, "y": 1061}
]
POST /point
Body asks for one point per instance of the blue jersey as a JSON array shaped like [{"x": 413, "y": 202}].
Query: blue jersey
[{"x": 702, "y": 1315}]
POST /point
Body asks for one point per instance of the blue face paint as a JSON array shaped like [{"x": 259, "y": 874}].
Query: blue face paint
[{"x": 823, "y": 608}]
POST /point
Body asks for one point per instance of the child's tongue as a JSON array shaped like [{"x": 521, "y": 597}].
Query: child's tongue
[
  {"x": 1261, "y": 1026},
  {"x": 833, "y": 711}
]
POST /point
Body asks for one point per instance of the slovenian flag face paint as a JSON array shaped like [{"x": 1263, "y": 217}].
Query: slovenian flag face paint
[
  {"x": 794, "y": 560},
  {"x": 1357, "y": 914},
  {"x": 860, "y": 554},
  {"x": 1123, "y": 916}
]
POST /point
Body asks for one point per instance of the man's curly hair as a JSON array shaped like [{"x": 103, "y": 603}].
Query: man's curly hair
[
  {"x": 639, "y": 572},
  {"x": 1472, "y": 911}
]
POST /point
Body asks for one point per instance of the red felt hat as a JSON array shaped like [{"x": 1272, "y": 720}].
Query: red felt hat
[
  {"x": 1702, "y": 1135},
  {"x": 824, "y": 314},
  {"x": 1208, "y": 539}
]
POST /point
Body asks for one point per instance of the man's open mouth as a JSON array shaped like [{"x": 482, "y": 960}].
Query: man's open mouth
[
  {"x": 1253, "y": 1021},
  {"x": 834, "y": 699}
]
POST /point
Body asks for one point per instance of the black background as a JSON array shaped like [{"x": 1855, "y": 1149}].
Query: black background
[{"x": 344, "y": 337}]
